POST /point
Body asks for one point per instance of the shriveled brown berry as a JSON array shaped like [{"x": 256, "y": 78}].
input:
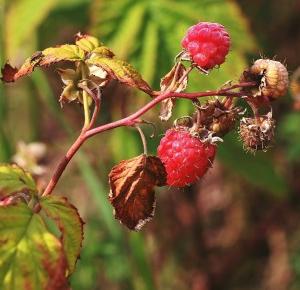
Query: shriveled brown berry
[
  {"x": 257, "y": 133},
  {"x": 218, "y": 117},
  {"x": 271, "y": 77}
]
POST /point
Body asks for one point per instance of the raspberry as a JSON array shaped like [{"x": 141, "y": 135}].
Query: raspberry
[
  {"x": 186, "y": 158},
  {"x": 207, "y": 44}
]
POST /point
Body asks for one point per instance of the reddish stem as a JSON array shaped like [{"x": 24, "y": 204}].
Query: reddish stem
[
  {"x": 63, "y": 163},
  {"x": 129, "y": 121}
]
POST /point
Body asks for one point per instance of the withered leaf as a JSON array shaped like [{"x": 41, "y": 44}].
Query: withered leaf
[
  {"x": 121, "y": 71},
  {"x": 48, "y": 56},
  {"x": 8, "y": 73},
  {"x": 173, "y": 81},
  {"x": 132, "y": 189}
]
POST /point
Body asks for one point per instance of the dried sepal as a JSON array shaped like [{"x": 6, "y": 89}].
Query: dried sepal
[
  {"x": 257, "y": 133},
  {"x": 132, "y": 189},
  {"x": 176, "y": 81},
  {"x": 217, "y": 116},
  {"x": 271, "y": 77},
  {"x": 72, "y": 78}
]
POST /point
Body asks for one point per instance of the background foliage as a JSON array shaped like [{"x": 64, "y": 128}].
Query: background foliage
[{"x": 239, "y": 228}]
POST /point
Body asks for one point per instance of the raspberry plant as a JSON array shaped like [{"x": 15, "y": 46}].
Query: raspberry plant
[{"x": 45, "y": 261}]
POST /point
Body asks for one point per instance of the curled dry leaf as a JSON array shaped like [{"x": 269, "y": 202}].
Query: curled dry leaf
[
  {"x": 132, "y": 189},
  {"x": 10, "y": 74},
  {"x": 174, "y": 81}
]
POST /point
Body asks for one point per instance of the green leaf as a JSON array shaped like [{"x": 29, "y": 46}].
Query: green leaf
[
  {"x": 69, "y": 52},
  {"x": 257, "y": 169},
  {"x": 70, "y": 224},
  {"x": 14, "y": 179},
  {"x": 122, "y": 71},
  {"x": 87, "y": 42},
  {"x": 30, "y": 256},
  {"x": 102, "y": 51}
]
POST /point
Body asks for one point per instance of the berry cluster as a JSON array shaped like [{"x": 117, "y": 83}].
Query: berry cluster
[
  {"x": 188, "y": 151},
  {"x": 207, "y": 44}
]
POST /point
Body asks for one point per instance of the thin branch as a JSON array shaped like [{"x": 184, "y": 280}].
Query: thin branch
[
  {"x": 143, "y": 138},
  {"x": 131, "y": 121},
  {"x": 63, "y": 164},
  {"x": 97, "y": 101}
]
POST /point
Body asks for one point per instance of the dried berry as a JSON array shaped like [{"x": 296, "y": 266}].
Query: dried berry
[{"x": 257, "y": 133}]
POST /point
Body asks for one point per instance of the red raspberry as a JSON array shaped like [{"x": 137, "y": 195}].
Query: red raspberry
[
  {"x": 186, "y": 158},
  {"x": 207, "y": 44}
]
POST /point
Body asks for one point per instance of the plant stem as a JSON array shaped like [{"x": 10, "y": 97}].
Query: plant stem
[
  {"x": 63, "y": 163},
  {"x": 86, "y": 109},
  {"x": 85, "y": 97},
  {"x": 143, "y": 139},
  {"x": 130, "y": 121}
]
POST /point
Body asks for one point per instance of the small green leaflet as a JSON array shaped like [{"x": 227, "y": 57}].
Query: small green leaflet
[
  {"x": 14, "y": 179},
  {"x": 69, "y": 52},
  {"x": 86, "y": 42},
  {"x": 30, "y": 256},
  {"x": 70, "y": 224}
]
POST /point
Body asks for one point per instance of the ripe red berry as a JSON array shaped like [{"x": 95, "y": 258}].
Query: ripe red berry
[
  {"x": 207, "y": 44},
  {"x": 186, "y": 158}
]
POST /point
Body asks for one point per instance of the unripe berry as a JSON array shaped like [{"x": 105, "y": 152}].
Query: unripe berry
[
  {"x": 271, "y": 77},
  {"x": 186, "y": 157},
  {"x": 207, "y": 44}
]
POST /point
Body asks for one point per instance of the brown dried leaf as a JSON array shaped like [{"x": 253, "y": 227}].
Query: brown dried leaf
[
  {"x": 132, "y": 189},
  {"x": 172, "y": 81},
  {"x": 166, "y": 108},
  {"x": 10, "y": 74}
]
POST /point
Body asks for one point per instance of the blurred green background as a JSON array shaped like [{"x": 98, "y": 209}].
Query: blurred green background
[{"x": 239, "y": 228}]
